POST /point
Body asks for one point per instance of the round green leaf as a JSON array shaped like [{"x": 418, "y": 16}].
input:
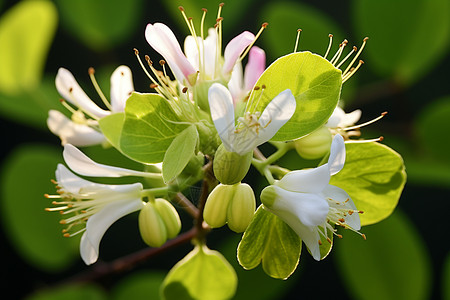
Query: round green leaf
[
  {"x": 26, "y": 32},
  {"x": 140, "y": 286},
  {"x": 101, "y": 24},
  {"x": 70, "y": 292},
  {"x": 374, "y": 176},
  {"x": 391, "y": 264},
  {"x": 285, "y": 18},
  {"x": 35, "y": 233},
  {"x": 407, "y": 37},
  {"x": 202, "y": 274},
  {"x": 314, "y": 82}
]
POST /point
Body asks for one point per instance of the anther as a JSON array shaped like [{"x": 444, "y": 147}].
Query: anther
[
  {"x": 205, "y": 10},
  {"x": 342, "y": 220},
  {"x": 265, "y": 24},
  {"x": 256, "y": 88},
  {"x": 91, "y": 71},
  {"x": 181, "y": 8},
  {"x": 339, "y": 236},
  {"x": 299, "y": 31},
  {"x": 66, "y": 235},
  {"x": 153, "y": 85},
  {"x": 364, "y": 236},
  {"x": 329, "y": 240},
  {"x": 136, "y": 51},
  {"x": 320, "y": 242},
  {"x": 70, "y": 90},
  {"x": 221, "y": 4},
  {"x": 184, "y": 90},
  {"x": 162, "y": 62}
]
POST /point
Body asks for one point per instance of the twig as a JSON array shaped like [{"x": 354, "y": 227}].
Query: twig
[{"x": 186, "y": 204}]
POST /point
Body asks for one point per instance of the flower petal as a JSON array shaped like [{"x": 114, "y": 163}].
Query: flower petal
[
  {"x": 71, "y": 182},
  {"x": 306, "y": 181},
  {"x": 337, "y": 155},
  {"x": 255, "y": 67},
  {"x": 97, "y": 225},
  {"x": 121, "y": 88},
  {"x": 83, "y": 165},
  {"x": 339, "y": 195},
  {"x": 162, "y": 39},
  {"x": 71, "y": 132},
  {"x": 70, "y": 90},
  {"x": 234, "y": 49},
  {"x": 222, "y": 113},
  {"x": 235, "y": 84},
  {"x": 275, "y": 115}
]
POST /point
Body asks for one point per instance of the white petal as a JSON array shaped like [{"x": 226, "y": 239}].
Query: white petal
[
  {"x": 191, "y": 50},
  {"x": 339, "y": 195},
  {"x": 310, "y": 236},
  {"x": 121, "y": 88},
  {"x": 337, "y": 155},
  {"x": 71, "y": 182},
  {"x": 234, "y": 49},
  {"x": 235, "y": 85},
  {"x": 83, "y": 165},
  {"x": 210, "y": 54},
  {"x": 222, "y": 113},
  {"x": 97, "y": 225},
  {"x": 336, "y": 117},
  {"x": 308, "y": 209},
  {"x": 306, "y": 181},
  {"x": 162, "y": 39},
  {"x": 68, "y": 87},
  {"x": 255, "y": 67},
  {"x": 71, "y": 132},
  {"x": 350, "y": 118},
  {"x": 275, "y": 115}
]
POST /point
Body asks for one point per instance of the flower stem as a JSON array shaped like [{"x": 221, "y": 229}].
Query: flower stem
[{"x": 186, "y": 205}]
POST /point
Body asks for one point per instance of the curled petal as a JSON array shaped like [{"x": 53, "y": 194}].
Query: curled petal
[
  {"x": 255, "y": 67},
  {"x": 162, "y": 39},
  {"x": 337, "y": 155},
  {"x": 222, "y": 113},
  {"x": 234, "y": 49},
  {"x": 306, "y": 181},
  {"x": 275, "y": 115},
  {"x": 97, "y": 225},
  {"x": 69, "y": 88},
  {"x": 121, "y": 88},
  {"x": 72, "y": 133},
  {"x": 83, "y": 165}
]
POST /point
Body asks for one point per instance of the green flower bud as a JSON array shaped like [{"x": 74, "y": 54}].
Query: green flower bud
[
  {"x": 315, "y": 145},
  {"x": 151, "y": 225},
  {"x": 230, "y": 167},
  {"x": 170, "y": 217},
  {"x": 215, "y": 212},
  {"x": 268, "y": 196},
  {"x": 241, "y": 208}
]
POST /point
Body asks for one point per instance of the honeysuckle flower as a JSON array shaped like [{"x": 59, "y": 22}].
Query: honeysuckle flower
[
  {"x": 92, "y": 208},
  {"x": 87, "y": 113},
  {"x": 341, "y": 119},
  {"x": 306, "y": 201},
  {"x": 251, "y": 130}
]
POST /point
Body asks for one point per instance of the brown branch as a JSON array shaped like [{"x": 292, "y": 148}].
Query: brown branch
[{"x": 186, "y": 204}]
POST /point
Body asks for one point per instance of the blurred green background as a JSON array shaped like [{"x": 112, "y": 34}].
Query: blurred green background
[{"x": 406, "y": 256}]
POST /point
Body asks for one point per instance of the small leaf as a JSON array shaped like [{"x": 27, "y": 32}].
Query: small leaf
[
  {"x": 35, "y": 233},
  {"x": 140, "y": 286},
  {"x": 179, "y": 153},
  {"x": 88, "y": 21},
  {"x": 374, "y": 176},
  {"x": 387, "y": 31},
  {"x": 270, "y": 241},
  {"x": 391, "y": 264},
  {"x": 26, "y": 32},
  {"x": 111, "y": 127},
  {"x": 70, "y": 292},
  {"x": 314, "y": 82},
  {"x": 149, "y": 128},
  {"x": 202, "y": 274}
]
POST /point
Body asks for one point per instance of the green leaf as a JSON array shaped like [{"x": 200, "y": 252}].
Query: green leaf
[
  {"x": 26, "y": 32},
  {"x": 396, "y": 43},
  {"x": 374, "y": 176},
  {"x": 179, "y": 153},
  {"x": 270, "y": 241},
  {"x": 101, "y": 24},
  {"x": 149, "y": 128},
  {"x": 286, "y": 17},
  {"x": 140, "y": 286},
  {"x": 70, "y": 292},
  {"x": 315, "y": 83},
  {"x": 111, "y": 127},
  {"x": 35, "y": 233},
  {"x": 202, "y": 274},
  {"x": 391, "y": 264}
]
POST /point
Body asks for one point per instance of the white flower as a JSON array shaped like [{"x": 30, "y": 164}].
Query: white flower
[
  {"x": 82, "y": 131},
  {"x": 251, "y": 130},
  {"x": 306, "y": 201},
  {"x": 92, "y": 207},
  {"x": 340, "y": 119}
]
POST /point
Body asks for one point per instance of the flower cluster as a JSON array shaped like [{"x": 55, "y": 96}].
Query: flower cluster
[{"x": 204, "y": 122}]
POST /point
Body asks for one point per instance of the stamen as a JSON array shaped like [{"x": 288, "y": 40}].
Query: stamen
[
  {"x": 67, "y": 106},
  {"x": 356, "y": 56},
  {"x": 203, "y": 22},
  {"x": 366, "y": 123},
  {"x": 352, "y": 71},
  {"x": 299, "y": 31},
  {"x": 136, "y": 52},
  {"x": 338, "y": 54},
  {"x": 329, "y": 46},
  {"x": 354, "y": 49},
  {"x": 379, "y": 139},
  {"x": 91, "y": 72},
  {"x": 263, "y": 26}
]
